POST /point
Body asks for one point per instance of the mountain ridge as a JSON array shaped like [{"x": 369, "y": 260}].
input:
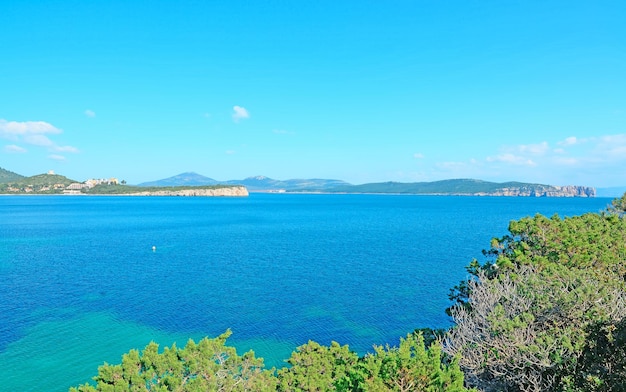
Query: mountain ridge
[
  {"x": 470, "y": 187},
  {"x": 260, "y": 183}
]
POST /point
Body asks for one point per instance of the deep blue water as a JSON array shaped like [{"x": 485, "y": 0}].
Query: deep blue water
[{"x": 80, "y": 283}]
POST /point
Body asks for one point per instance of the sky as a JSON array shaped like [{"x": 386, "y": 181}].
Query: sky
[{"x": 362, "y": 91}]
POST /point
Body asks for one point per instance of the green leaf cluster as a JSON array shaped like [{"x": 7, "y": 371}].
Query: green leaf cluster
[
  {"x": 210, "y": 365},
  {"x": 545, "y": 307}
]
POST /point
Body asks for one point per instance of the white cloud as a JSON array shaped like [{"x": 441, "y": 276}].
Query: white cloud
[
  {"x": 535, "y": 149},
  {"x": 12, "y": 129},
  {"x": 570, "y": 141},
  {"x": 55, "y": 157},
  {"x": 418, "y": 155},
  {"x": 230, "y": 152},
  {"x": 38, "y": 140},
  {"x": 90, "y": 113},
  {"x": 240, "y": 113},
  {"x": 34, "y": 133},
  {"x": 566, "y": 161},
  {"x": 512, "y": 159},
  {"x": 12, "y": 148},
  {"x": 65, "y": 149},
  {"x": 612, "y": 146}
]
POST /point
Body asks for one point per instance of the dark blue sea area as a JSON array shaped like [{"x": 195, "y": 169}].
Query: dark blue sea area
[{"x": 81, "y": 284}]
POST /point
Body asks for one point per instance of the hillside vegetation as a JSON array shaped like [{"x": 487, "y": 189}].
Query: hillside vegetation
[
  {"x": 546, "y": 311},
  {"x": 8, "y": 176},
  {"x": 41, "y": 184}
]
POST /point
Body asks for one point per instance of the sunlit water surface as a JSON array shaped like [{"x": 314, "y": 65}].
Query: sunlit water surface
[{"x": 81, "y": 284}]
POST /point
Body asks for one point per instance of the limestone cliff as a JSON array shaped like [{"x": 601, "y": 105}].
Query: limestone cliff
[
  {"x": 543, "y": 191},
  {"x": 231, "y": 191}
]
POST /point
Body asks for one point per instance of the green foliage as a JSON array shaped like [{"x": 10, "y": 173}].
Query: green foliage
[
  {"x": 211, "y": 366},
  {"x": 317, "y": 368},
  {"x": 409, "y": 367},
  {"x": 546, "y": 298},
  {"x": 7, "y": 176},
  {"x": 41, "y": 184},
  {"x": 205, "y": 366},
  {"x": 618, "y": 206},
  {"x": 602, "y": 366},
  {"x": 450, "y": 187}
]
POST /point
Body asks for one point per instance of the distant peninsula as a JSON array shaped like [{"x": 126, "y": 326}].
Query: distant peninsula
[
  {"x": 193, "y": 184},
  {"x": 461, "y": 187},
  {"x": 54, "y": 184}
]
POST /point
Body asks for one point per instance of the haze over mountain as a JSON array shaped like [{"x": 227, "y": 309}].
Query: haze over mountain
[
  {"x": 266, "y": 184},
  {"x": 256, "y": 183},
  {"x": 448, "y": 187},
  {"x": 188, "y": 178}
]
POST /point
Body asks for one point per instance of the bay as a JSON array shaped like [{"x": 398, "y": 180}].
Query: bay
[{"x": 81, "y": 284}]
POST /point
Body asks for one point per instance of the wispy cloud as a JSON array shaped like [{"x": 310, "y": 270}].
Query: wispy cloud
[
  {"x": 90, "y": 113},
  {"x": 240, "y": 113},
  {"x": 587, "y": 160},
  {"x": 230, "y": 152},
  {"x": 569, "y": 141},
  {"x": 512, "y": 159},
  {"x": 534, "y": 149},
  {"x": 12, "y": 148},
  {"x": 282, "y": 132},
  {"x": 35, "y": 133},
  {"x": 14, "y": 129},
  {"x": 55, "y": 157},
  {"x": 418, "y": 155}
]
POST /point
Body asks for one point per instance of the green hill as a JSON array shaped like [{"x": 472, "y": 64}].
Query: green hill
[
  {"x": 468, "y": 187},
  {"x": 8, "y": 176},
  {"x": 39, "y": 184}
]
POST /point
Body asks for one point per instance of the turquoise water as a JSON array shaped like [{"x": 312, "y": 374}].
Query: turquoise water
[{"x": 80, "y": 283}]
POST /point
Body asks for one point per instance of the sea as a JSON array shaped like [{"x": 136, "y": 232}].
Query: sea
[{"x": 85, "y": 279}]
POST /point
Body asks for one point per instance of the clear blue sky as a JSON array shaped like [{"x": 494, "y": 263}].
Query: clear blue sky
[{"x": 363, "y": 91}]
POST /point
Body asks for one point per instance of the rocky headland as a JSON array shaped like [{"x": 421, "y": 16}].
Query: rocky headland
[
  {"x": 542, "y": 191},
  {"x": 230, "y": 191}
]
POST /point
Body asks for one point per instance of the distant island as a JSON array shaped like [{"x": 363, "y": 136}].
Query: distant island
[{"x": 193, "y": 184}]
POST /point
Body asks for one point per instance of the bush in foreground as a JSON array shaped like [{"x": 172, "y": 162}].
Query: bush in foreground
[
  {"x": 547, "y": 311},
  {"x": 210, "y": 365}
]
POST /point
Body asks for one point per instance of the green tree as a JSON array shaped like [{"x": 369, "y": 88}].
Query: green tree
[
  {"x": 208, "y": 365},
  {"x": 540, "y": 303},
  {"x": 317, "y": 368},
  {"x": 408, "y": 367},
  {"x": 618, "y": 206}
]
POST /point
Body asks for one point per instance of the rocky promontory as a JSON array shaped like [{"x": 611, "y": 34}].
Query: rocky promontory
[
  {"x": 542, "y": 191},
  {"x": 230, "y": 191}
]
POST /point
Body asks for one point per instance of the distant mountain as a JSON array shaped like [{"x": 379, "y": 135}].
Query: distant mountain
[
  {"x": 183, "y": 179},
  {"x": 262, "y": 183},
  {"x": 257, "y": 183},
  {"x": 444, "y": 187},
  {"x": 617, "y": 191},
  {"x": 8, "y": 176}
]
